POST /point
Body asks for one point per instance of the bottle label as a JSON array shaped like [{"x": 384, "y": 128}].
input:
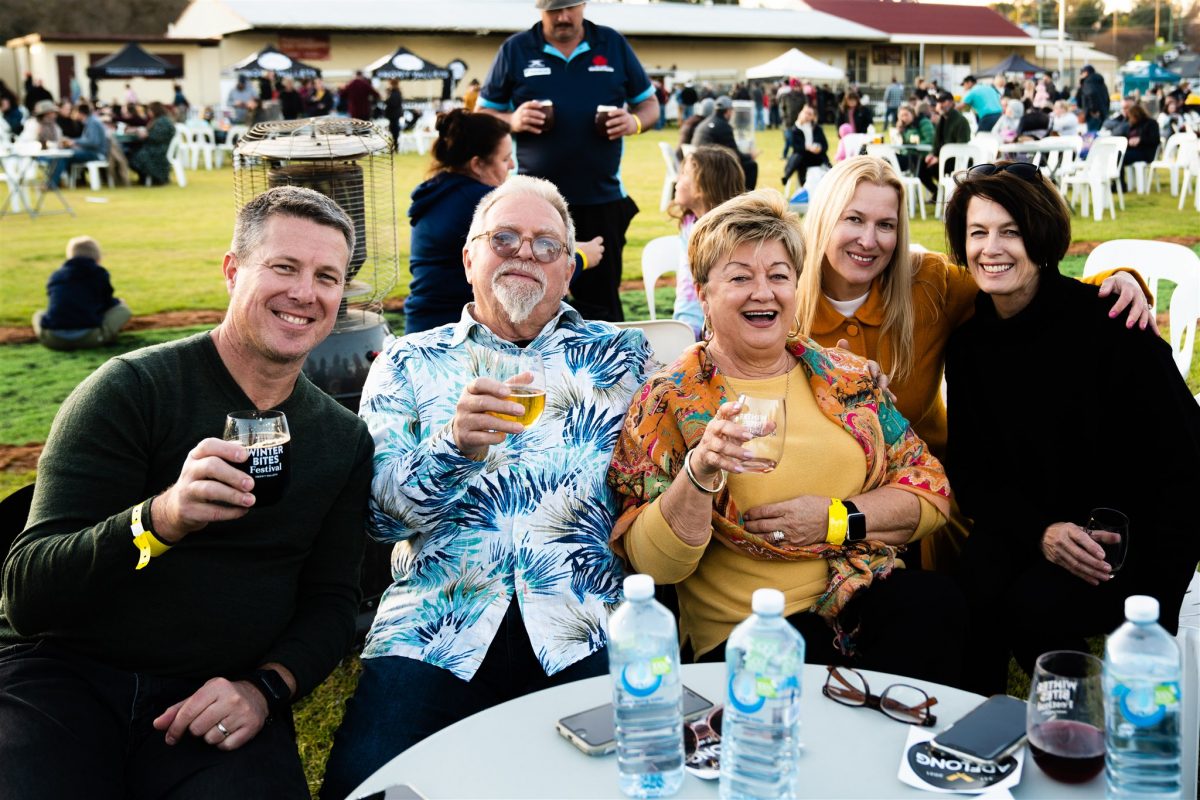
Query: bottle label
[
  {"x": 642, "y": 678},
  {"x": 1146, "y": 704}
]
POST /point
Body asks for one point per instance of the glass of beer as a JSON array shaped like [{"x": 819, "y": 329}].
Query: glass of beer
[
  {"x": 547, "y": 107},
  {"x": 602, "y": 113},
  {"x": 266, "y": 436},
  {"x": 525, "y": 375},
  {"x": 765, "y": 419}
]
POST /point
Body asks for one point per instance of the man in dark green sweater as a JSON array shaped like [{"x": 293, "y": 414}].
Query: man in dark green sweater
[{"x": 155, "y": 625}]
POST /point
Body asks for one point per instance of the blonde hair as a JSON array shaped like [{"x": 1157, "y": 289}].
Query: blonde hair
[
  {"x": 757, "y": 217},
  {"x": 83, "y": 247},
  {"x": 828, "y": 203}
]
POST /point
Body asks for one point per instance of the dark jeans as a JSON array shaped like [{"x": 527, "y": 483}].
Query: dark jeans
[
  {"x": 798, "y": 164},
  {"x": 1022, "y": 604},
  {"x": 910, "y": 624},
  {"x": 595, "y": 293},
  {"x": 70, "y": 727},
  {"x": 400, "y": 701},
  {"x": 988, "y": 121}
]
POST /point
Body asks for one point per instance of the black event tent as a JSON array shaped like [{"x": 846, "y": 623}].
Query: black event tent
[
  {"x": 1013, "y": 63},
  {"x": 132, "y": 61},
  {"x": 271, "y": 60},
  {"x": 406, "y": 66}
]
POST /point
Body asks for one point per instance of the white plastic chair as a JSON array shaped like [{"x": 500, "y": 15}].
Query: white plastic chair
[
  {"x": 668, "y": 188},
  {"x": 204, "y": 143},
  {"x": 234, "y": 133},
  {"x": 1060, "y": 162},
  {"x": 667, "y": 337},
  {"x": 988, "y": 144},
  {"x": 854, "y": 142},
  {"x": 424, "y": 133},
  {"x": 1096, "y": 176},
  {"x": 1174, "y": 160},
  {"x": 964, "y": 156},
  {"x": 92, "y": 168},
  {"x": 972, "y": 121},
  {"x": 1159, "y": 261},
  {"x": 175, "y": 156},
  {"x": 185, "y": 136},
  {"x": 661, "y": 255},
  {"x": 913, "y": 190},
  {"x": 1191, "y": 175}
]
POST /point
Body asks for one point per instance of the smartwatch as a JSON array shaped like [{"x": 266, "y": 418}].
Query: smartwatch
[
  {"x": 856, "y": 529},
  {"x": 273, "y": 687}
]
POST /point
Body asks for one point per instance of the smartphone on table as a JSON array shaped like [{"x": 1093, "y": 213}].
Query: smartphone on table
[
  {"x": 592, "y": 731},
  {"x": 988, "y": 734}
]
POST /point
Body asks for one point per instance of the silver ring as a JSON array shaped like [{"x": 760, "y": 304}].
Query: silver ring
[
  {"x": 777, "y": 536},
  {"x": 224, "y": 731}
]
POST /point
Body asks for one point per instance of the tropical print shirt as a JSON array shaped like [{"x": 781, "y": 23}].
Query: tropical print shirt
[{"x": 532, "y": 518}]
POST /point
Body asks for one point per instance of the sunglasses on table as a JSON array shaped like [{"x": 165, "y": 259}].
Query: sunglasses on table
[
  {"x": 1022, "y": 169},
  {"x": 507, "y": 243},
  {"x": 899, "y": 701}
]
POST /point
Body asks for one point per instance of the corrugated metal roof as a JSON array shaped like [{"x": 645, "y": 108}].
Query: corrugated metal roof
[
  {"x": 509, "y": 16},
  {"x": 928, "y": 19}
]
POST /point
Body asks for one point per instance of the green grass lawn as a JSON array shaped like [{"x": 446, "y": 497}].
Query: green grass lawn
[{"x": 164, "y": 247}]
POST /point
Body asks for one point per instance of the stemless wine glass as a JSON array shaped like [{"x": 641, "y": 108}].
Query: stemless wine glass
[
  {"x": 525, "y": 374},
  {"x": 1065, "y": 716},
  {"x": 266, "y": 436},
  {"x": 1110, "y": 529},
  {"x": 765, "y": 419}
]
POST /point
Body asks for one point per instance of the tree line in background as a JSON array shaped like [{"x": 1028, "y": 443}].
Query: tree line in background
[
  {"x": 1087, "y": 20},
  {"x": 99, "y": 17}
]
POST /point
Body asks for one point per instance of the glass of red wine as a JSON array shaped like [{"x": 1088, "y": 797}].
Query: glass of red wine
[
  {"x": 1065, "y": 716},
  {"x": 1110, "y": 528}
]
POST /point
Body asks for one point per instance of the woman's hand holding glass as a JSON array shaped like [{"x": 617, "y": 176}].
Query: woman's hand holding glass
[
  {"x": 723, "y": 446},
  {"x": 1070, "y": 546}
]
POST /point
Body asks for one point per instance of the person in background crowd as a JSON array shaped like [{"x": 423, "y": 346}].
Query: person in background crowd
[
  {"x": 855, "y": 113},
  {"x": 35, "y": 92},
  {"x": 583, "y": 161},
  {"x": 910, "y": 124},
  {"x": 320, "y": 102},
  {"x": 952, "y": 128},
  {"x": 291, "y": 104},
  {"x": 1006, "y": 127},
  {"x": 716, "y": 130},
  {"x": 984, "y": 100},
  {"x": 893, "y": 97},
  {"x": 239, "y": 99},
  {"x": 1118, "y": 123},
  {"x": 158, "y": 621},
  {"x": 91, "y": 144},
  {"x": 1035, "y": 579},
  {"x": 504, "y": 577},
  {"x": 687, "y": 128},
  {"x": 70, "y": 127},
  {"x": 660, "y": 91},
  {"x": 920, "y": 89},
  {"x": 44, "y": 128},
  {"x": 1092, "y": 98},
  {"x": 360, "y": 97},
  {"x": 180, "y": 102},
  {"x": 471, "y": 96},
  {"x": 150, "y": 161},
  {"x": 791, "y": 100},
  {"x": 1144, "y": 139},
  {"x": 82, "y": 312},
  {"x": 1170, "y": 121},
  {"x": 10, "y": 109},
  {"x": 708, "y": 177},
  {"x": 812, "y": 148},
  {"x": 1034, "y": 124},
  {"x": 687, "y": 100},
  {"x": 1064, "y": 121},
  {"x": 393, "y": 110}
]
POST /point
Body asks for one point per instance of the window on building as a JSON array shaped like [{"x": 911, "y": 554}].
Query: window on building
[
  {"x": 856, "y": 65},
  {"x": 962, "y": 57}
]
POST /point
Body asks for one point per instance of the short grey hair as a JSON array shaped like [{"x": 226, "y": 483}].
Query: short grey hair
[
  {"x": 288, "y": 201},
  {"x": 524, "y": 185},
  {"x": 83, "y": 247}
]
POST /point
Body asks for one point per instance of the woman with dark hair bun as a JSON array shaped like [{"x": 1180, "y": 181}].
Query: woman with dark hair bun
[{"x": 472, "y": 156}]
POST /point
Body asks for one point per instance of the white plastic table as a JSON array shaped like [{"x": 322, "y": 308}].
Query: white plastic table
[
  {"x": 16, "y": 168},
  {"x": 513, "y": 750}
]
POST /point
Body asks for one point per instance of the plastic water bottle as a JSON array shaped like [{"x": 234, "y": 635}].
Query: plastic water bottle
[
  {"x": 643, "y": 659},
  {"x": 1142, "y": 706},
  {"x": 760, "y": 733}
]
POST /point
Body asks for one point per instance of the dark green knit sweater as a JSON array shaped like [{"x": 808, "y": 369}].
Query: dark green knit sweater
[{"x": 280, "y": 584}]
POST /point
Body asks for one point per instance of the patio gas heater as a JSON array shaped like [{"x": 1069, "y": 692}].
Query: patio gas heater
[{"x": 349, "y": 161}]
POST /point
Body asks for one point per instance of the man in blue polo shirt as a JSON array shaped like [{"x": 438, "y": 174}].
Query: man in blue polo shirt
[
  {"x": 577, "y": 66},
  {"x": 984, "y": 100}
]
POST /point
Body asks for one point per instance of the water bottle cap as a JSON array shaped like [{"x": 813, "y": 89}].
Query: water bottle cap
[
  {"x": 767, "y": 601},
  {"x": 1140, "y": 608},
  {"x": 639, "y": 587}
]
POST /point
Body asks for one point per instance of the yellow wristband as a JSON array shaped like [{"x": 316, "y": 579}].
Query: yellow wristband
[
  {"x": 839, "y": 522},
  {"x": 148, "y": 545},
  {"x": 582, "y": 257},
  {"x": 638, "y": 120}
]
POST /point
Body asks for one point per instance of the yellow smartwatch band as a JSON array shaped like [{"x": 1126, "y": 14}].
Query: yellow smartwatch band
[
  {"x": 582, "y": 257},
  {"x": 839, "y": 522},
  {"x": 149, "y": 546},
  {"x": 638, "y": 120}
]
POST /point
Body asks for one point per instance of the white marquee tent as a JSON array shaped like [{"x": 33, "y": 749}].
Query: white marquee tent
[{"x": 794, "y": 64}]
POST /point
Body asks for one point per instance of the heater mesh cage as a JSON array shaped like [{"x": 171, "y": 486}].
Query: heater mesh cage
[{"x": 347, "y": 160}]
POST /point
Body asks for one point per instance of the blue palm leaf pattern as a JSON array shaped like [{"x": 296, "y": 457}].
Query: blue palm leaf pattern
[{"x": 532, "y": 517}]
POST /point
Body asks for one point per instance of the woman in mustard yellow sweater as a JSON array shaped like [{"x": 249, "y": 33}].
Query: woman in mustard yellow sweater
[{"x": 861, "y": 284}]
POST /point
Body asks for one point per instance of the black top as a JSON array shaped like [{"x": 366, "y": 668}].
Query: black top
[
  {"x": 1059, "y": 410},
  {"x": 79, "y": 293}
]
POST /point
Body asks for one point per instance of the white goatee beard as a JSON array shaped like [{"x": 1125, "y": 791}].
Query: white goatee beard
[{"x": 519, "y": 301}]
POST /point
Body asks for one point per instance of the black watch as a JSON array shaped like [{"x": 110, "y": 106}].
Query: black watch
[
  {"x": 857, "y": 523},
  {"x": 273, "y": 687}
]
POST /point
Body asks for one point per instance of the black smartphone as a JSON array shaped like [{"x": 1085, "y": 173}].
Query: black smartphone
[
  {"x": 989, "y": 733},
  {"x": 592, "y": 731}
]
